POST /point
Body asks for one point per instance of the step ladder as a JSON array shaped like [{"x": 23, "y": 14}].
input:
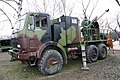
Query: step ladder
[{"x": 84, "y": 60}]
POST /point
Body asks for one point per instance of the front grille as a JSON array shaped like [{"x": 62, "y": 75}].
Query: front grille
[{"x": 14, "y": 42}]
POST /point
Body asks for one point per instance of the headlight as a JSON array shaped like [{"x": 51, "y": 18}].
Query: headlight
[
  {"x": 14, "y": 35},
  {"x": 18, "y": 46}
]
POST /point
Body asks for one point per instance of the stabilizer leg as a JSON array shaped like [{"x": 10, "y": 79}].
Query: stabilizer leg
[{"x": 85, "y": 68}]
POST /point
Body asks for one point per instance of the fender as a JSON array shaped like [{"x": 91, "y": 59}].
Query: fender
[{"x": 54, "y": 44}]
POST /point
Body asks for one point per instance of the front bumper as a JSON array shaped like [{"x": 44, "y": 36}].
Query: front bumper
[{"x": 16, "y": 53}]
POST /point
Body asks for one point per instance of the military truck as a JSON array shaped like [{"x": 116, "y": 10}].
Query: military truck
[
  {"x": 50, "y": 43},
  {"x": 5, "y": 44}
]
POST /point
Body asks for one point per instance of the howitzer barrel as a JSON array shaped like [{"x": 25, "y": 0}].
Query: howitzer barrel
[{"x": 103, "y": 13}]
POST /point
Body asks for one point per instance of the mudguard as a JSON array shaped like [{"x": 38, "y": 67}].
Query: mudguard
[{"x": 41, "y": 49}]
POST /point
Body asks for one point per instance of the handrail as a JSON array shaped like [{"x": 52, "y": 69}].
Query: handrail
[{"x": 91, "y": 34}]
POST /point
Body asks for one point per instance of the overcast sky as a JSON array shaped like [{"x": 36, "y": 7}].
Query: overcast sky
[{"x": 102, "y": 5}]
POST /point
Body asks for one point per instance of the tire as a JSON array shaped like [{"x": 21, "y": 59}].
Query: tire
[
  {"x": 50, "y": 63},
  {"x": 92, "y": 53},
  {"x": 102, "y": 51}
]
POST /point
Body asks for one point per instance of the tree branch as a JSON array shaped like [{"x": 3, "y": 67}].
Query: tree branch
[
  {"x": 93, "y": 9},
  {"x": 7, "y": 17},
  {"x": 11, "y": 0},
  {"x": 118, "y": 2},
  {"x": 118, "y": 20},
  {"x": 3, "y": 20},
  {"x": 37, "y": 6},
  {"x": 45, "y": 6},
  {"x": 9, "y": 5},
  {"x": 64, "y": 6},
  {"x": 71, "y": 9},
  {"x": 87, "y": 5},
  {"x": 85, "y": 9}
]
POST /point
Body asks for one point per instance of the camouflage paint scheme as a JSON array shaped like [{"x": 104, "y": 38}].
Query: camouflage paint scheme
[
  {"x": 62, "y": 35},
  {"x": 39, "y": 39}
]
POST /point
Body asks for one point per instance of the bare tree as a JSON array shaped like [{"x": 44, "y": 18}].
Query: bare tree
[
  {"x": 17, "y": 10},
  {"x": 118, "y": 22},
  {"x": 107, "y": 28},
  {"x": 107, "y": 25},
  {"x": 4, "y": 20},
  {"x": 51, "y": 7},
  {"x": 85, "y": 8},
  {"x": 71, "y": 9},
  {"x": 64, "y": 6},
  {"x": 55, "y": 8},
  {"x": 117, "y": 26},
  {"x": 45, "y": 5},
  {"x": 94, "y": 6},
  {"x": 19, "y": 3},
  {"x": 37, "y": 8},
  {"x": 10, "y": 5}
]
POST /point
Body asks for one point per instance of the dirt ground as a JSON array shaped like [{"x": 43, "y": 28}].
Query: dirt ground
[{"x": 107, "y": 69}]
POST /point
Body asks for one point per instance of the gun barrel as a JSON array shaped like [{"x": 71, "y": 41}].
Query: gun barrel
[{"x": 104, "y": 13}]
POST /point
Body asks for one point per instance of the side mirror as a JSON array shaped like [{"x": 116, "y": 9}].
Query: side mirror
[{"x": 31, "y": 25}]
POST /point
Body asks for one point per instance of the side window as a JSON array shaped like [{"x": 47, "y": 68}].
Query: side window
[
  {"x": 40, "y": 22},
  {"x": 31, "y": 22},
  {"x": 37, "y": 22},
  {"x": 44, "y": 22},
  {"x": 74, "y": 21}
]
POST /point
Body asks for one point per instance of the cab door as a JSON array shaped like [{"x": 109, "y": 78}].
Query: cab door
[{"x": 38, "y": 32}]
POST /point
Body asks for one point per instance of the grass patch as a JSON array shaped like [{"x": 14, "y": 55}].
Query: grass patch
[{"x": 17, "y": 71}]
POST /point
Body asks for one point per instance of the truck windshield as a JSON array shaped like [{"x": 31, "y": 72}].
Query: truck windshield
[{"x": 19, "y": 24}]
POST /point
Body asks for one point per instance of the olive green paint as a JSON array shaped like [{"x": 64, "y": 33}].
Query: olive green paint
[
  {"x": 71, "y": 34},
  {"x": 64, "y": 51},
  {"x": 62, "y": 41},
  {"x": 30, "y": 33}
]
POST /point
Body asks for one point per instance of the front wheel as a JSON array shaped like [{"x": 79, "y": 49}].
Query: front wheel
[{"x": 51, "y": 62}]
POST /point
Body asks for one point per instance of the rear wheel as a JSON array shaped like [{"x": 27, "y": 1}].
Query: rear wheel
[
  {"x": 92, "y": 53},
  {"x": 51, "y": 62},
  {"x": 102, "y": 51}
]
